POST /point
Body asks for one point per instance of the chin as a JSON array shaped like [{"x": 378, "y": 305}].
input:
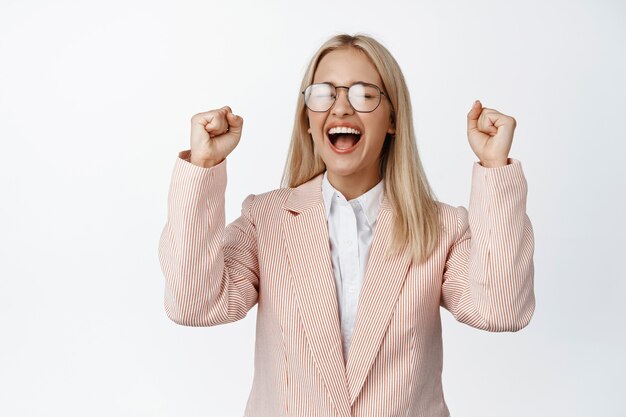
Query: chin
[{"x": 343, "y": 169}]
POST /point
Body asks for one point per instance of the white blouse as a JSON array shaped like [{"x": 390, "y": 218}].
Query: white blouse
[{"x": 351, "y": 230}]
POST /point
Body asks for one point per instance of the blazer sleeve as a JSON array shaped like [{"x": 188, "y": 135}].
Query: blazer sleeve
[
  {"x": 489, "y": 272},
  {"x": 211, "y": 271}
]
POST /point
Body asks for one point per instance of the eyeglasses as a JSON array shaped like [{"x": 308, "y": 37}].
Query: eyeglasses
[{"x": 363, "y": 97}]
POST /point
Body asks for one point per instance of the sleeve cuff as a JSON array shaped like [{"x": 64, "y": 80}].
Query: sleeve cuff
[
  {"x": 508, "y": 178},
  {"x": 189, "y": 179},
  {"x": 186, "y": 156},
  {"x": 509, "y": 161}
]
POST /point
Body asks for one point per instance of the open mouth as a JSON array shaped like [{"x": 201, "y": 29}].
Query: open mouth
[{"x": 343, "y": 138}]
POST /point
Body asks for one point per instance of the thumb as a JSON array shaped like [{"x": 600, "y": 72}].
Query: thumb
[
  {"x": 234, "y": 122},
  {"x": 472, "y": 116}
]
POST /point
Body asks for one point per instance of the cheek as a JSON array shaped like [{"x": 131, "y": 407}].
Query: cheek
[
  {"x": 378, "y": 126},
  {"x": 316, "y": 125}
]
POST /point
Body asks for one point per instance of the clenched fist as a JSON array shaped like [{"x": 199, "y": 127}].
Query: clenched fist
[
  {"x": 214, "y": 135},
  {"x": 490, "y": 135}
]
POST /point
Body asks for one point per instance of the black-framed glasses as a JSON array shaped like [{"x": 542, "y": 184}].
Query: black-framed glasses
[{"x": 363, "y": 97}]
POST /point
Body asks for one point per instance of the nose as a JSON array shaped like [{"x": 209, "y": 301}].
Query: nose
[{"x": 342, "y": 105}]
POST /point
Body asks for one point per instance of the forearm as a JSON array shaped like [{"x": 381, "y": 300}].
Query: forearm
[
  {"x": 501, "y": 256},
  {"x": 199, "y": 289}
]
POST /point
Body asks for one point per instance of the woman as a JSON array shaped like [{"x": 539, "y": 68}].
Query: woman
[{"x": 355, "y": 224}]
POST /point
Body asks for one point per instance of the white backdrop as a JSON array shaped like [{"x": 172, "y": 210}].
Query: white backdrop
[{"x": 95, "y": 102}]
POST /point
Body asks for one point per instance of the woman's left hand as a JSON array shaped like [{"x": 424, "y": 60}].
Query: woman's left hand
[{"x": 490, "y": 134}]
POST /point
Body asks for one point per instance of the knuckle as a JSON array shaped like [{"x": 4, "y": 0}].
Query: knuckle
[{"x": 201, "y": 117}]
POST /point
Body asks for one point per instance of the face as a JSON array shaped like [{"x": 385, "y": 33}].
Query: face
[{"x": 350, "y": 157}]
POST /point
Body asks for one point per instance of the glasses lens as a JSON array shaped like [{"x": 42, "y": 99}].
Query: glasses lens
[
  {"x": 319, "y": 97},
  {"x": 364, "y": 97}
]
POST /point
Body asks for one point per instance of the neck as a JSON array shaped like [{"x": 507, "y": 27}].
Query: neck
[{"x": 353, "y": 186}]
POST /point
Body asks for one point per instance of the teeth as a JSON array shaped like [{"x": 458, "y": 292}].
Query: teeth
[{"x": 343, "y": 129}]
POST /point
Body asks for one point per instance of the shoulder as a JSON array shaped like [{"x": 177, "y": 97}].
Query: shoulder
[
  {"x": 449, "y": 213},
  {"x": 452, "y": 219}
]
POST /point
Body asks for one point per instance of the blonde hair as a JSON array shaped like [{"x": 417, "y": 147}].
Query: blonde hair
[{"x": 416, "y": 221}]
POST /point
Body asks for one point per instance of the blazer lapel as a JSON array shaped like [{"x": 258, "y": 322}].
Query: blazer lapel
[
  {"x": 305, "y": 234},
  {"x": 382, "y": 283}
]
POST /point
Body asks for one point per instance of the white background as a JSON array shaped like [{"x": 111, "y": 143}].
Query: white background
[{"x": 95, "y": 102}]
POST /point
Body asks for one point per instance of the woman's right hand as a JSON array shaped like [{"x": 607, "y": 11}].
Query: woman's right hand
[{"x": 214, "y": 135}]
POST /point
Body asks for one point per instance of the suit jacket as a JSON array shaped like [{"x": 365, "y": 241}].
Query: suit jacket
[{"x": 277, "y": 255}]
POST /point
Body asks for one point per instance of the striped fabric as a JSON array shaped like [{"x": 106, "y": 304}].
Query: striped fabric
[{"x": 277, "y": 254}]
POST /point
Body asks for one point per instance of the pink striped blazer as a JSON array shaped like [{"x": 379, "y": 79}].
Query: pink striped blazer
[{"x": 276, "y": 255}]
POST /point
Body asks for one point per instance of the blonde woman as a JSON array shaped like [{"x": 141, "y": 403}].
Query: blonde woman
[{"x": 354, "y": 225}]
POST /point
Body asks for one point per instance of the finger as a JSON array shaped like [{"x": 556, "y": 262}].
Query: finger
[
  {"x": 487, "y": 121},
  {"x": 497, "y": 117},
  {"x": 472, "y": 116},
  {"x": 235, "y": 122},
  {"x": 218, "y": 125},
  {"x": 203, "y": 118}
]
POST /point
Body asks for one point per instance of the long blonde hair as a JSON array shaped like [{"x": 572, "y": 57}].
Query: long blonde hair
[{"x": 416, "y": 221}]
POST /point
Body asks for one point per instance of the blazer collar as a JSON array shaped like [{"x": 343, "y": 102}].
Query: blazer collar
[
  {"x": 309, "y": 195},
  {"x": 305, "y": 196}
]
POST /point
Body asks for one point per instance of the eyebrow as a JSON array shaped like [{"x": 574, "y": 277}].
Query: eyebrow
[{"x": 349, "y": 84}]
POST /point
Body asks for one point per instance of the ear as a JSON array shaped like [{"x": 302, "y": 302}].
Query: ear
[
  {"x": 308, "y": 122},
  {"x": 392, "y": 124}
]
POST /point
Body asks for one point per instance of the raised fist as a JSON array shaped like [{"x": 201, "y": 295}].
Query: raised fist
[
  {"x": 214, "y": 135},
  {"x": 490, "y": 134}
]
